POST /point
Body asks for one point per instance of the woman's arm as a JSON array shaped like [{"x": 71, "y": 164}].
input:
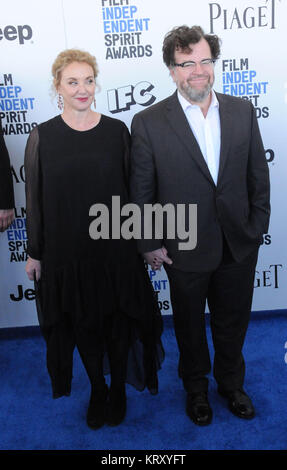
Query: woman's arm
[{"x": 33, "y": 189}]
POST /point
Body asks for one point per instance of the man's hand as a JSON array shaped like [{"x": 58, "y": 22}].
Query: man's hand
[
  {"x": 33, "y": 269},
  {"x": 6, "y": 218},
  {"x": 156, "y": 258}
]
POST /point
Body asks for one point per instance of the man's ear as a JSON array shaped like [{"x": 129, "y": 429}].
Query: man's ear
[{"x": 172, "y": 73}]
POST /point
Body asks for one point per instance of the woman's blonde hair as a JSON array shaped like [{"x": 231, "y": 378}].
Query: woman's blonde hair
[{"x": 67, "y": 57}]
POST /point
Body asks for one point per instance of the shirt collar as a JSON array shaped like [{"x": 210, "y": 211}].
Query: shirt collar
[{"x": 186, "y": 104}]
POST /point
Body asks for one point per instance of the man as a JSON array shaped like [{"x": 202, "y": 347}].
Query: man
[
  {"x": 6, "y": 187},
  {"x": 201, "y": 147}
]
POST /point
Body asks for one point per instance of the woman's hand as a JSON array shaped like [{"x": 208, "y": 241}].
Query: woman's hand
[
  {"x": 156, "y": 258},
  {"x": 33, "y": 269}
]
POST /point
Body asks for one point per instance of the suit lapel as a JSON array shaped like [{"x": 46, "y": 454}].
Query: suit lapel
[
  {"x": 226, "y": 119},
  {"x": 181, "y": 127}
]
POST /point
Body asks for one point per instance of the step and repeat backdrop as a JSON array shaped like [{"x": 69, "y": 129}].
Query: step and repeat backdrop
[{"x": 126, "y": 37}]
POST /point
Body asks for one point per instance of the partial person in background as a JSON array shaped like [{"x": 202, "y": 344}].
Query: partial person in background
[
  {"x": 6, "y": 186},
  {"x": 202, "y": 147},
  {"x": 91, "y": 293}
]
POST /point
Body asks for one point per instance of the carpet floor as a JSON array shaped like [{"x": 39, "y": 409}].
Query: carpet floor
[{"x": 31, "y": 420}]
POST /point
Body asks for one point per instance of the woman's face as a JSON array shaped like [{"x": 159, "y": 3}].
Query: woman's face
[{"x": 77, "y": 86}]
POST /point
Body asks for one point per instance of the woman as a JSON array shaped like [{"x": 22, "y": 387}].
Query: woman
[{"x": 93, "y": 294}]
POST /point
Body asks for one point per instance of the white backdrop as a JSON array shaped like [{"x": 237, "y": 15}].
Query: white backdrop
[{"x": 126, "y": 37}]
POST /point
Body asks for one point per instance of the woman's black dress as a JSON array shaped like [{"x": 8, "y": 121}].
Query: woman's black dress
[{"x": 91, "y": 291}]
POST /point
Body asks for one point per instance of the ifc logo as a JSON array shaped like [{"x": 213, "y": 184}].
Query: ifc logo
[{"x": 121, "y": 99}]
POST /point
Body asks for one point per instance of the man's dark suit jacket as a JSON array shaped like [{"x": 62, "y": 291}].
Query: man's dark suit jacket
[
  {"x": 6, "y": 183},
  {"x": 167, "y": 166}
]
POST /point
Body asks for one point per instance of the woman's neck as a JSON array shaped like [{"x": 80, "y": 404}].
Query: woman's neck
[{"x": 81, "y": 120}]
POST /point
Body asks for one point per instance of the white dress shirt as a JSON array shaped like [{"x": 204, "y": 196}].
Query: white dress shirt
[{"x": 206, "y": 130}]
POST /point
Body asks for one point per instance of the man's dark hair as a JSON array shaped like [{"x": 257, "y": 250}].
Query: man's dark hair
[{"x": 179, "y": 39}]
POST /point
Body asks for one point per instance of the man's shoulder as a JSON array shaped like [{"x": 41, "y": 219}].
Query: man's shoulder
[
  {"x": 235, "y": 101},
  {"x": 155, "y": 109}
]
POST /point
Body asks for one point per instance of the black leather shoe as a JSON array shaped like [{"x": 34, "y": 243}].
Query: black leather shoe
[
  {"x": 239, "y": 403},
  {"x": 117, "y": 405},
  {"x": 198, "y": 408},
  {"x": 96, "y": 415}
]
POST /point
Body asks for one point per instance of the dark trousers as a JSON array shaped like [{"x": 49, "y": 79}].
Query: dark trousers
[
  {"x": 61, "y": 340},
  {"x": 228, "y": 290}
]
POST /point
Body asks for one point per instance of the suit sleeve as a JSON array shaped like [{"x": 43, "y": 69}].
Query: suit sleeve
[
  {"x": 143, "y": 185},
  {"x": 33, "y": 189},
  {"x": 127, "y": 155},
  {"x": 6, "y": 182},
  {"x": 258, "y": 180}
]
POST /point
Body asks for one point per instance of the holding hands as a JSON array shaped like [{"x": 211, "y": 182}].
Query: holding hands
[{"x": 157, "y": 257}]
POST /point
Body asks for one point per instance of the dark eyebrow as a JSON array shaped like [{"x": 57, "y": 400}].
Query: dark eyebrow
[
  {"x": 206, "y": 58},
  {"x": 74, "y": 78}
]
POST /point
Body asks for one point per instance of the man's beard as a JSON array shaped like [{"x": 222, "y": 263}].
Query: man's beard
[{"x": 195, "y": 95}]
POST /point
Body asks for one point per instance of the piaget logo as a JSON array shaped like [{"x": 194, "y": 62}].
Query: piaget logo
[
  {"x": 268, "y": 277},
  {"x": 255, "y": 15}
]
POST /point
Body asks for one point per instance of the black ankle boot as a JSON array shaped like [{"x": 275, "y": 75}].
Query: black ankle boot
[
  {"x": 96, "y": 415},
  {"x": 116, "y": 408}
]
